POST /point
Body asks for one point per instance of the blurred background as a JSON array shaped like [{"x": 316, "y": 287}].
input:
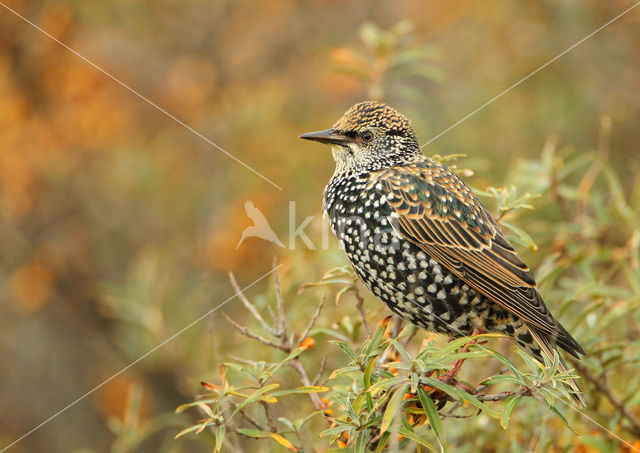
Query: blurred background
[{"x": 119, "y": 226}]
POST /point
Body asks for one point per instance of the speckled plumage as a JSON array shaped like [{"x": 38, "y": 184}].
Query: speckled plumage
[{"x": 422, "y": 242}]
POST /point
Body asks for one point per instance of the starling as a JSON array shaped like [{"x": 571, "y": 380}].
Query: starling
[{"x": 421, "y": 241}]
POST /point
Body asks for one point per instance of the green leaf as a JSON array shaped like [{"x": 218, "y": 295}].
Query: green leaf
[
  {"x": 341, "y": 371},
  {"x": 401, "y": 350},
  {"x": 522, "y": 235},
  {"x": 509, "y": 404},
  {"x": 375, "y": 340},
  {"x": 564, "y": 420},
  {"x": 220, "y": 433},
  {"x": 254, "y": 433},
  {"x": 362, "y": 441},
  {"x": 384, "y": 384},
  {"x": 255, "y": 396},
  {"x": 461, "y": 396},
  {"x": 288, "y": 423},
  {"x": 366, "y": 377},
  {"x": 382, "y": 443},
  {"x": 393, "y": 407},
  {"x": 190, "y": 429},
  {"x": 407, "y": 431},
  {"x": 199, "y": 427},
  {"x": 344, "y": 347},
  {"x": 501, "y": 379},
  {"x": 303, "y": 389},
  {"x": 434, "y": 418}
]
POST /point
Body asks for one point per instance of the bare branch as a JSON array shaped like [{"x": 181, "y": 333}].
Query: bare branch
[
  {"x": 323, "y": 366},
  {"x": 247, "y": 417},
  {"x": 603, "y": 388},
  {"x": 317, "y": 402},
  {"x": 360, "y": 306},
  {"x": 282, "y": 320},
  {"x": 252, "y": 308},
  {"x": 246, "y": 332},
  {"x": 504, "y": 395},
  {"x": 313, "y": 320},
  {"x": 270, "y": 420}
]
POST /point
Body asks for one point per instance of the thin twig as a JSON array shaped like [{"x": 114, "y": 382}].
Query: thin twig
[
  {"x": 246, "y": 332},
  {"x": 317, "y": 402},
  {"x": 282, "y": 320},
  {"x": 252, "y": 309},
  {"x": 247, "y": 361},
  {"x": 272, "y": 314},
  {"x": 252, "y": 421},
  {"x": 529, "y": 391},
  {"x": 603, "y": 388},
  {"x": 447, "y": 415},
  {"x": 360, "y": 306},
  {"x": 313, "y": 320},
  {"x": 270, "y": 420},
  {"x": 323, "y": 366}
]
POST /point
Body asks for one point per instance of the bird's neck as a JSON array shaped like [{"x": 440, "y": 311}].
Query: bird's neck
[{"x": 355, "y": 163}]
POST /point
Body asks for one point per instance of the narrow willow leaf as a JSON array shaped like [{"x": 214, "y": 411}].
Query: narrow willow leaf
[
  {"x": 344, "y": 347},
  {"x": 376, "y": 338},
  {"x": 382, "y": 443},
  {"x": 501, "y": 379},
  {"x": 188, "y": 430},
  {"x": 255, "y": 396},
  {"x": 283, "y": 441},
  {"x": 366, "y": 377},
  {"x": 254, "y": 433},
  {"x": 362, "y": 441},
  {"x": 385, "y": 384},
  {"x": 434, "y": 418},
  {"x": 522, "y": 235},
  {"x": 509, "y": 404},
  {"x": 341, "y": 371},
  {"x": 401, "y": 350},
  {"x": 220, "y": 433},
  {"x": 564, "y": 420},
  {"x": 303, "y": 389},
  {"x": 409, "y": 433},
  {"x": 393, "y": 407},
  {"x": 461, "y": 396}
]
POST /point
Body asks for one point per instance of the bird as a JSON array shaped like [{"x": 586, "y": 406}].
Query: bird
[
  {"x": 260, "y": 227},
  {"x": 422, "y": 242}
]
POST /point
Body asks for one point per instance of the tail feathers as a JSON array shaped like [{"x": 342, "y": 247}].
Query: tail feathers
[
  {"x": 548, "y": 348},
  {"x": 568, "y": 343}
]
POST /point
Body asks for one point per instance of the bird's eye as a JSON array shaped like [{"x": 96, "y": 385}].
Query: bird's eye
[{"x": 367, "y": 136}]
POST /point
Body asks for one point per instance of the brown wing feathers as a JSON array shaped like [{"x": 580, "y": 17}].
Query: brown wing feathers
[{"x": 437, "y": 211}]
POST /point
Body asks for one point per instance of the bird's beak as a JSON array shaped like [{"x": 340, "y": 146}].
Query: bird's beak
[{"x": 329, "y": 136}]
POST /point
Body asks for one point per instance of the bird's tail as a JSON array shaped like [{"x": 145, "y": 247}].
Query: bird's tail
[{"x": 548, "y": 348}]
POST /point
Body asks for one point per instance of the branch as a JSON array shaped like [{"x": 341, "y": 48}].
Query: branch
[
  {"x": 246, "y": 332},
  {"x": 317, "y": 402},
  {"x": 504, "y": 395},
  {"x": 252, "y": 309},
  {"x": 323, "y": 366},
  {"x": 360, "y": 305},
  {"x": 282, "y": 324},
  {"x": 603, "y": 387},
  {"x": 313, "y": 320}
]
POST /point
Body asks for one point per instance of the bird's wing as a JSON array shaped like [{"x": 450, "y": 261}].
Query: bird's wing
[
  {"x": 254, "y": 213},
  {"x": 432, "y": 207}
]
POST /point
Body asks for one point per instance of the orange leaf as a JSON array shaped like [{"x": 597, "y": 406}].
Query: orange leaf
[
  {"x": 208, "y": 386},
  {"x": 283, "y": 441}
]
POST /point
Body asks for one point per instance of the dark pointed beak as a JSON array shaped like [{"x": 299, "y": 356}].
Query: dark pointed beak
[{"x": 329, "y": 136}]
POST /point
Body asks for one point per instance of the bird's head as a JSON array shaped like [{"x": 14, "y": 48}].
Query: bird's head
[{"x": 369, "y": 135}]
